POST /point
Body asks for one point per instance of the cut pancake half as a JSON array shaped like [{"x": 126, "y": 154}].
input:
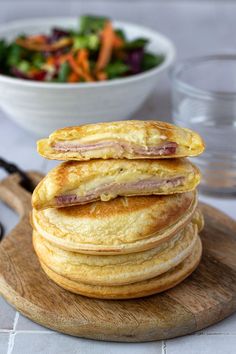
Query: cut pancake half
[
  {"x": 117, "y": 269},
  {"x": 151, "y": 286},
  {"x": 124, "y": 225},
  {"x": 125, "y": 139},
  {"x": 78, "y": 183}
]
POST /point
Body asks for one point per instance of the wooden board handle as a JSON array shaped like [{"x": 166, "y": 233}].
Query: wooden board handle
[{"x": 15, "y": 196}]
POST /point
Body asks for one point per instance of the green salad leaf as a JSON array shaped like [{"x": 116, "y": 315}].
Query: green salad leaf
[
  {"x": 15, "y": 54},
  {"x": 136, "y": 43},
  {"x": 3, "y": 50},
  {"x": 116, "y": 69},
  {"x": 64, "y": 72},
  {"x": 91, "y": 42},
  {"x": 120, "y": 33},
  {"x": 23, "y": 66},
  {"x": 38, "y": 60},
  {"x": 3, "y": 56},
  {"x": 90, "y": 23},
  {"x": 150, "y": 61}
]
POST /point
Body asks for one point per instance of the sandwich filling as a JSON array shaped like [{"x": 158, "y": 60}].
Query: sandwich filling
[
  {"x": 164, "y": 149},
  {"x": 109, "y": 191}
]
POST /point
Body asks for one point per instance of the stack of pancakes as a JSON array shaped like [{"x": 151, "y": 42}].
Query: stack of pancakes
[{"x": 119, "y": 218}]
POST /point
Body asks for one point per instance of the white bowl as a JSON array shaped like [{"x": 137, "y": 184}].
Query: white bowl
[{"x": 43, "y": 107}]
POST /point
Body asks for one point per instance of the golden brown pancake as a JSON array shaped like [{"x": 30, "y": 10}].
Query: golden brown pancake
[
  {"x": 117, "y": 269},
  {"x": 135, "y": 290},
  {"x": 123, "y": 225},
  {"x": 125, "y": 139},
  {"x": 77, "y": 183}
]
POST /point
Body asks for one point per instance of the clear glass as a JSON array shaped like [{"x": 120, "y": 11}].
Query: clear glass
[{"x": 204, "y": 100}]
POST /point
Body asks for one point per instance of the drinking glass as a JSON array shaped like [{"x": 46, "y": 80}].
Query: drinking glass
[{"x": 204, "y": 100}]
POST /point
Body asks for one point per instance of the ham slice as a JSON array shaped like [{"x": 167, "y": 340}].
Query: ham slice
[
  {"x": 167, "y": 148},
  {"x": 140, "y": 187}
]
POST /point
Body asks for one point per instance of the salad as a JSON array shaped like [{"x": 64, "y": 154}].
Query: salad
[{"x": 96, "y": 51}]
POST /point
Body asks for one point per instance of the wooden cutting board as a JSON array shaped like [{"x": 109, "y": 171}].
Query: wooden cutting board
[{"x": 206, "y": 297}]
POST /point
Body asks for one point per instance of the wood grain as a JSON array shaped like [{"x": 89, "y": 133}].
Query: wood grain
[{"x": 206, "y": 297}]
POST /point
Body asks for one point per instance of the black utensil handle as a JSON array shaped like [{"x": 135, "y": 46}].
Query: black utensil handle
[
  {"x": 1, "y": 232},
  {"x": 10, "y": 168},
  {"x": 25, "y": 181}
]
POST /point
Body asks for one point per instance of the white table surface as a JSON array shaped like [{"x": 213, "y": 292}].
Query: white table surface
[{"x": 196, "y": 27}]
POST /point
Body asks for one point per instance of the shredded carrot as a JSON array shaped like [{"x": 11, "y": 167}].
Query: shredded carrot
[
  {"x": 82, "y": 59},
  {"x": 81, "y": 73},
  {"x": 40, "y": 38},
  {"x": 117, "y": 41},
  {"x": 50, "y": 61},
  {"x": 101, "y": 76},
  {"x": 33, "y": 71},
  {"x": 107, "y": 37},
  {"x": 81, "y": 55},
  {"x": 62, "y": 58},
  {"x": 32, "y": 45},
  {"x": 73, "y": 77}
]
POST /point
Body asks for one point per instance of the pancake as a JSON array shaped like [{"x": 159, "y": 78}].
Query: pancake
[
  {"x": 151, "y": 286},
  {"x": 78, "y": 183},
  {"x": 198, "y": 219},
  {"x": 117, "y": 269},
  {"x": 125, "y": 139},
  {"x": 124, "y": 225}
]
